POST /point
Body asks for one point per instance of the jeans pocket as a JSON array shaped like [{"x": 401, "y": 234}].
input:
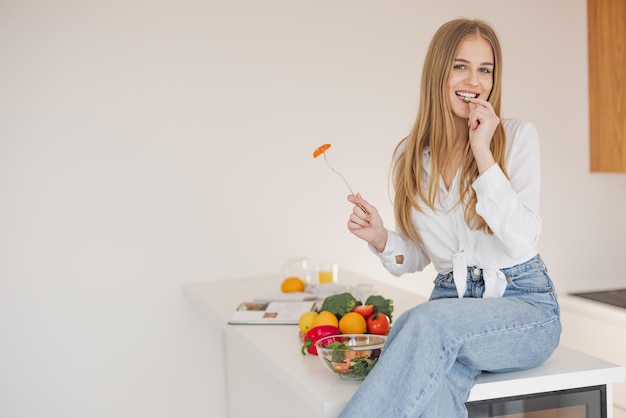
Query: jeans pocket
[
  {"x": 531, "y": 281},
  {"x": 534, "y": 286}
]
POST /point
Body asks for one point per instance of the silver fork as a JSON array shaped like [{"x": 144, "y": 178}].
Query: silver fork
[{"x": 344, "y": 180}]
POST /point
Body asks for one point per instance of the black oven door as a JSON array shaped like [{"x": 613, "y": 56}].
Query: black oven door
[{"x": 589, "y": 402}]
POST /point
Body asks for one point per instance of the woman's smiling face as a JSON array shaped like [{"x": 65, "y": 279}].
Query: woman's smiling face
[{"x": 471, "y": 75}]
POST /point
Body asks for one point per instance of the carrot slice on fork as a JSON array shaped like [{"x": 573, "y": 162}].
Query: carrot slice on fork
[{"x": 320, "y": 150}]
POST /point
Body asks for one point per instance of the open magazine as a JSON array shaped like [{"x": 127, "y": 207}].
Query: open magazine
[{"x": 265, "y": 312}]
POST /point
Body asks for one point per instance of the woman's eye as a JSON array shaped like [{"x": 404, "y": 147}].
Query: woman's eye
[
  {"x": 459, "y": 67},
  {"x": 485, "y": 70}
]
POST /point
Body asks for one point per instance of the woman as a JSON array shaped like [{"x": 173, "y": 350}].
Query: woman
[{"x": 467, "y": 199}]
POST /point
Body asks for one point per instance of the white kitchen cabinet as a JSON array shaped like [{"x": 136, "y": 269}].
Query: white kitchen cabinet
[
  {"x": 266, "y": 373},
  {"x": 597, "y": 329}
]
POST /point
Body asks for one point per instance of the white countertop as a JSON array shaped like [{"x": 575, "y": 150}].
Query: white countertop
[
  {"x": 593, "y": 309},
  {"x": 277, "y": 348}
]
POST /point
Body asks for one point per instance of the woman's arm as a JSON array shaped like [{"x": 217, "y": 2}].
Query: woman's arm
[
  {"x": 511, "y": 206},
  {"x": 398, "y": 255}
]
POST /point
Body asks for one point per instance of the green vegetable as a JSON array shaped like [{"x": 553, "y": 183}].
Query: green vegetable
[
  {"x": 339, "y": 304},
  {"x": 337, "y": 345},
  {"x": 356, "y": 368},
  {"x": 381, "y": 305},
  {"x": 337, "y": 355},
  {"x": 360, "y": 367}
]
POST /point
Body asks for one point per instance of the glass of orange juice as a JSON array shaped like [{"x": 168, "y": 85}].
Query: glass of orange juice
[{"x": 327, "y": 273}]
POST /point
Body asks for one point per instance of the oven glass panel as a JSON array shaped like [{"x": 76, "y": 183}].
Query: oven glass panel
[
  {"x": 574, "y": 403},
  {"x": 579, "y": 411}
]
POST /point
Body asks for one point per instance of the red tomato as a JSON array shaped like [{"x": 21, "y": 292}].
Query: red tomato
[
  {"x": 378, "y": 324},
  {"x": 365, "y": 310}
]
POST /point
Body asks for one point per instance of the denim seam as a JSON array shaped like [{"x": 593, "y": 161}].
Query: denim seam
[
  {"x": 515, "y": 328},
  {"x": 428, "y": 388}
]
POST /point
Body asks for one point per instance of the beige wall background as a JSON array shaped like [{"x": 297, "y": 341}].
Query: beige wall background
[{"x": 144, "y": 145}]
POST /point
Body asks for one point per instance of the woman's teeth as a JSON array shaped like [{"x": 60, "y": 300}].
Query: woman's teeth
[{"x": 467, "y": 96}]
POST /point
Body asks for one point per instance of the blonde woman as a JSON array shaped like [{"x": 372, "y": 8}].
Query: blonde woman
[{"x": 467, "y": 200}]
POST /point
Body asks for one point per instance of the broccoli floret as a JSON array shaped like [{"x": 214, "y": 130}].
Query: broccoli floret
[
  {"x": 339, "y": 304},
  {"x": 381, "y": 305}
]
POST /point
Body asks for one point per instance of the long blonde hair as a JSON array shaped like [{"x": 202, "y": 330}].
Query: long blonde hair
[{"x": 434, "y": 128}]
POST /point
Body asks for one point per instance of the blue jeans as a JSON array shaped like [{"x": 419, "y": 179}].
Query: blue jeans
[{"x": 436, "y": 350}]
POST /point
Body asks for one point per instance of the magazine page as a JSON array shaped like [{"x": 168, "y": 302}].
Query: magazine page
[{"x": 270, "y": 312}]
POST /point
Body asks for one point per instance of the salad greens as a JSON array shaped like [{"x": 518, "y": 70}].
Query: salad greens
[
  {"x": 349, "y": 363},
  {"x": 360, "y": 367}
]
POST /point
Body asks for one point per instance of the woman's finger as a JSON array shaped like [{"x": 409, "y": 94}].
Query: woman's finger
[{"x": 358, "y": 220}]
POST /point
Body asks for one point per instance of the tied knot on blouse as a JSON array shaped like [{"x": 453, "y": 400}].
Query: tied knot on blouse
[{"x": 495, "y": 280}]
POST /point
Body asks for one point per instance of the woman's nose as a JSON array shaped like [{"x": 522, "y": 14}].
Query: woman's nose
[{"x": 472, "y": 78}]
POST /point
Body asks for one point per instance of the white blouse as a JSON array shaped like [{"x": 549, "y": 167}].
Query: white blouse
[{"x": 509, "y": 206}]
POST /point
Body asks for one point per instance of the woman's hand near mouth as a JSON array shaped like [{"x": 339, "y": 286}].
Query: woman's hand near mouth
[{"x": 482, "y": 123}]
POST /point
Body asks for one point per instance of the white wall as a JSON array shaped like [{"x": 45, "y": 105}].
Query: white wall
[{"x": 148, "y": 144}]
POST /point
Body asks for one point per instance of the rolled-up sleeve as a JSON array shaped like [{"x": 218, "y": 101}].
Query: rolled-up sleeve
[{"x": 414, "y": 258}]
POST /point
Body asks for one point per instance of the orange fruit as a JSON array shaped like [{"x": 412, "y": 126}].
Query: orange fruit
[
  {"x": 325, "y": 318},
  {"x": 352, "y": 323},
  {"x": 292, "y": 284}
]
